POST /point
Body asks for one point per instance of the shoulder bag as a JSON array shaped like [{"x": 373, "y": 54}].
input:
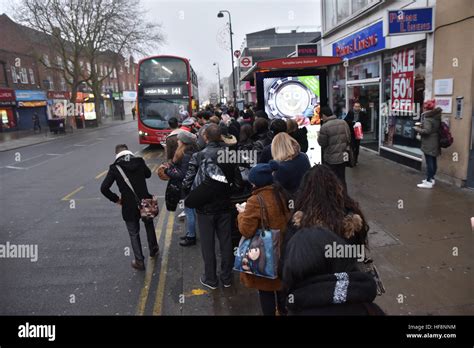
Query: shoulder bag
[
  {"x": 148, "y": 207},
  {"x": 259, "y": 255}
]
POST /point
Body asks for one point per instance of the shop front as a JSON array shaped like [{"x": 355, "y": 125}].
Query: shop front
[
  {"x": 129, "y": 99},
  {"x": 389, "y": 84},
  {"x": 8, "y": 117},
  {"x": 31, "y": 103}
]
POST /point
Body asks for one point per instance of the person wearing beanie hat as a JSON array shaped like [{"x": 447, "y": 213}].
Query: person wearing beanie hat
[
  {"x": 262, "y": 174},
  {"x": 250, "y": 219}
]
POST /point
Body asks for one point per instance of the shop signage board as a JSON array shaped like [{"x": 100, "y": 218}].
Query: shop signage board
[
  {"x": 129, "y": 96},
  {"x": 403, "y": 80},
  {"x": 445, "y": 103},
  {"x": 7, "y": 97},
  {"x": 305, "y": 50},
  {"x": 367, "y": 40},
  {"x": 30, "y": 95},
  {"x": 410, "y": 21}
]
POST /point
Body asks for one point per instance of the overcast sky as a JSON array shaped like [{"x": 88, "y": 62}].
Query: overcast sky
[{"x": 191, "y": 27}]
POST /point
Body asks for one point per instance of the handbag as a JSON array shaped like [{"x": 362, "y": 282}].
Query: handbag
[
  {"x": 259, "y": 255},
  {"x": 161, "y": 172},
  {"x": 148, "y": 207}
]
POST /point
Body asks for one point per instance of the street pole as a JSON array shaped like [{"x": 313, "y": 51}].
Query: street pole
[
  {"x": 219, "y": 82},
  {"x": 220, "y": 15}
]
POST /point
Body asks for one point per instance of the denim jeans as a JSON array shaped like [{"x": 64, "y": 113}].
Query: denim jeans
[
  {"x": 190, "y": 222},
  {"x": 431, "y": 166}
]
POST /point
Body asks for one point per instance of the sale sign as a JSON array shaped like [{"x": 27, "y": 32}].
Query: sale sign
[{"x": 403, "y": 80}]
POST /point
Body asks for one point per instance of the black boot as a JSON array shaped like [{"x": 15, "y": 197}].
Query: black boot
[{"x": 188, "y": 242}]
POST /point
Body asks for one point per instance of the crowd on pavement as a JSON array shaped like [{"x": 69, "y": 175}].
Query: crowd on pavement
[{"x": 246, "y": 181}]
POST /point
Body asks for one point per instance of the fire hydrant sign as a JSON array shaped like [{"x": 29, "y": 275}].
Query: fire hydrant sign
[{"x": 403, "y": 80}]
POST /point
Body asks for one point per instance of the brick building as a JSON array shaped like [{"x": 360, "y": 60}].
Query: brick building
[{"x": 29, "y": 64}]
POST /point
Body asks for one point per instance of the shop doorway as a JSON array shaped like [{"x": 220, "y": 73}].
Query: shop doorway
[{"x": 368, "y": 95}]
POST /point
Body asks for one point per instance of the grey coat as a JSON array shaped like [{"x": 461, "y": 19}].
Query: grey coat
[
  {"x": 430, "y": 132},
  {"x": 334, "y": 138}
]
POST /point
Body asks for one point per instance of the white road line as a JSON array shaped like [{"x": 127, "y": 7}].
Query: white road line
[
  {"x": 12, "y": 167},
  {"x": 79, "y": 145},
  {"x": 54, "y": 154}
]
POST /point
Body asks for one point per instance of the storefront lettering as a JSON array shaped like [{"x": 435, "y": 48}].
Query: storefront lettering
[
  {"x": 367, "y": 40},
  {"x": 403, "y": 74}
]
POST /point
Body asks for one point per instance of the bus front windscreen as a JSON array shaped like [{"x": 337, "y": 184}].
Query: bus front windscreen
[
  {"x": 155, "y": 113},
  {"x": 163, "y": 70}
]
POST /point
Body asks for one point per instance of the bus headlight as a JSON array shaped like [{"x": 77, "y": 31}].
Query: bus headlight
[{"x": 142, "y": 133}]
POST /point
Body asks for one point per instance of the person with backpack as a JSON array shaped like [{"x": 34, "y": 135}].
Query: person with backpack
[
  {"x": 134, "y": 169},
  {"x": 274, "y": 199},
  {"x": 430, "y": 140}
]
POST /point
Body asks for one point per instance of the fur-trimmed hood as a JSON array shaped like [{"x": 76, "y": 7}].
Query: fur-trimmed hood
[{"x": 435, "y": 113}]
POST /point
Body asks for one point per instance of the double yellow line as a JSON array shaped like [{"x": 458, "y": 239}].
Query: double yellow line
[{"x": 144, "y": 293}]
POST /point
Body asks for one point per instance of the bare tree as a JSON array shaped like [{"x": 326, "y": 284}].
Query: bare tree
[
  {"x": 93, "y": 31},
  {"x": 116, "y": 28}
]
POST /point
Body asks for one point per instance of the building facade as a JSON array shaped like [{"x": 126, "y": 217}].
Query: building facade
[
  {"x": 31, "y": 68},
  {"x": 394, "y": 56},
  {"x": 270, "y": 44}
]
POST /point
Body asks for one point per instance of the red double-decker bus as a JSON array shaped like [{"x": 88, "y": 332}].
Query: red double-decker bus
[{"x": 167, "y": 87}]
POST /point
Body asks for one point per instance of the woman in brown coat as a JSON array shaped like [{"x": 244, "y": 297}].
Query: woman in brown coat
[{"x": 249, "y": 220}]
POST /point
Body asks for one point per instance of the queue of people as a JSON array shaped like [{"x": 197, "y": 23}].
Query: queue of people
[{"x": 275, "y": 195}]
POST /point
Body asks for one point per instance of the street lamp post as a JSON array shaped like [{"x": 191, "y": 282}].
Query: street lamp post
[
  {"x": 218, "y": 81},
  {"x": 221, "y": 15}
]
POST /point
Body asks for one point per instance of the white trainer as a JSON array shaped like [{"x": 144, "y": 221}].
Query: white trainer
[
  {"x": 425, "y": 184},
  {"x": 182, "y": 216}
]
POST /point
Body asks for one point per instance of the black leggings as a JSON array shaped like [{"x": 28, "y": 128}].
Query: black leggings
[{"x": 268, "y": 302}]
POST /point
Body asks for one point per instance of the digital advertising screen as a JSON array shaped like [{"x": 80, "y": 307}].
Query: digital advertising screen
[{"x": 291, "y": 96}]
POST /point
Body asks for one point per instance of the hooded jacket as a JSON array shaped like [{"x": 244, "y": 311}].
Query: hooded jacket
[
  {"x": 430, "y": 132},
  {"x": 334, "y": 138},
  {"x": 301, "y": 136},
  {"x": 137, "y": 172}
]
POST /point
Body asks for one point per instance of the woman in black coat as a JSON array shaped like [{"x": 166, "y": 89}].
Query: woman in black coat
[{"x": 318, "y": 283}]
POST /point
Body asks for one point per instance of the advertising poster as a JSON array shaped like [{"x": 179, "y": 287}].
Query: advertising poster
[
  {"x": 89, "y": 111},
  {"x": 296, "y": 97},
  {"x": 291, "y": 96},
  {"x": 403, "y": 80}
]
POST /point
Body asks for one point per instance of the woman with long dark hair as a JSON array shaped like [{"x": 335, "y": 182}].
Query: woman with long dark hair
[
  {"x": 176, "y": 171},
  {"x": 325, "y": 219}
]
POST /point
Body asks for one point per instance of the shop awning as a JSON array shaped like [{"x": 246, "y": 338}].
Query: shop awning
[{"x": 289, "y": 64}]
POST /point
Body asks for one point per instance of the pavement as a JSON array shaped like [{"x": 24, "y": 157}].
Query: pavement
[
  {"x": 50, "y": 197},
  {"x": 18, "y": 139}
]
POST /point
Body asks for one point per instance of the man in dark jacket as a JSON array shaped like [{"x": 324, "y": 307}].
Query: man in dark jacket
[
  {"x": 208, "y": 180},
  {"x": 353, "y": 116},
  {"x": 334, "y": 139},
  {"x": 172, "y": 139},
  {"x": 137, "y": 172}
]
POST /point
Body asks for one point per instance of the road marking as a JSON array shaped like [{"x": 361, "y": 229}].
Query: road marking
[
  {"x": 142, "y": 299},
  {"x": 12, "y": 167},
  {"x": 67, "y": 197},
  {"x": 196, "y": 292},
  {"x": 101, "y": 174},
  {"x": 54, "y": 154},
  {"x": 79, "y": 145},
  {"x": 160, "y": 292}
]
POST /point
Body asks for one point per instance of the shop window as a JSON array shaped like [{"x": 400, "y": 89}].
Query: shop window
[
  {"x": 337, "y": 87},
  {"x": 23, "y": 76},
  {"x": 397, "y": 125},
  {"x": 365, "y": 68},
  {"x": 32, "y": 76}
]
